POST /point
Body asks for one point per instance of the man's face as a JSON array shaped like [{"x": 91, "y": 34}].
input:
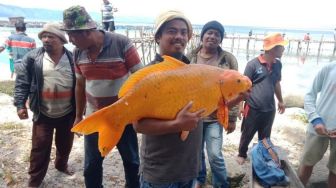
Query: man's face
[
  {"x": 277, "y": 51},
  {"x": 79, "y": 39},
  {"x": 51, "y": 41},
  {"x": 211, "y": 39},
  {"x": 174, "y": 37}
]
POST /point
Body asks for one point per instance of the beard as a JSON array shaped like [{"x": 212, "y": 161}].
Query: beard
[
  {"x": 47, "y": 47},
  {"x": 177, "y": 55}
]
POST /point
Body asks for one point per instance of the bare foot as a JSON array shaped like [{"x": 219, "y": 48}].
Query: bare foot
[
  {"x": 240, "y": 160},
  {"x": 67, "y": 171},
  {"x": 198, "y": 185}
]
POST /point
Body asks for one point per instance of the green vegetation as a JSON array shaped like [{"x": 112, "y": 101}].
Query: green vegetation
[
  {"x": 26, "y": 156},
  {"x": 8, "y": 178},
  {"x": 230, "y": 148},
  {"x": 7, "y": 87},
  {"x": 300, "y": 117},
  {"x": 10, "y": 126}
]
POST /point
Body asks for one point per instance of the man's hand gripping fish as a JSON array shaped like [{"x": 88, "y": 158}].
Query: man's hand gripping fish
[{"x": 160, "y": 91}]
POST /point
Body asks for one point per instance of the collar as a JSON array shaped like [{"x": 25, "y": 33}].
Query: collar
[
  {"x": 21, "y": 33},
  {"x": 107, "y": 39},
  {"x": 158, "y": 58},
  {"x": 196, "y": 50},
  {"x": 262, "y": 59}
]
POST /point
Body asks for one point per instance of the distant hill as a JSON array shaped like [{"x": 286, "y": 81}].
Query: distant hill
[{"x": 39, "y": 14}]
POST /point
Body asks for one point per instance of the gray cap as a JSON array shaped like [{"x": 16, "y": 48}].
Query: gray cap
[{"x": 55, "y": 29}]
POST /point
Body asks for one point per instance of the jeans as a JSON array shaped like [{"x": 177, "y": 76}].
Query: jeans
[
  {"x": 128, "y": 149},
  {"x": 213, "y": 137},
  {"x": 186, "y": 184},
  {"x": 109, "y": 26}
]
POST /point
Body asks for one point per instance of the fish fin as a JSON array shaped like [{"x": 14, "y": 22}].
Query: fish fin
[
  {"x": 109, "y": 130},
  {"x": 168, "y": 63},
  {"x": 223, "y": 113}
]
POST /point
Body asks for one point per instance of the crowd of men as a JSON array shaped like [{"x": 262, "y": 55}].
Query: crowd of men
[{"x": 61, "y": 88}]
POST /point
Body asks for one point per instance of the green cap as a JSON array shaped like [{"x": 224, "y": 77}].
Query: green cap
[{"x": 76, "y": 18}]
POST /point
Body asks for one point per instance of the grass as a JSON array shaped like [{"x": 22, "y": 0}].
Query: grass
[
  {"x": 9, "y": 126},
  {"x": 300, "y": 117},
  {"x": 230, "y": 148},
  {"x": 7, "y": 87},
  {"x": 7, "y": 176}
]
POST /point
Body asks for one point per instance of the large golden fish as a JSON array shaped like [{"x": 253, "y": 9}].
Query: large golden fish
[{"x": 160, "y": 91}]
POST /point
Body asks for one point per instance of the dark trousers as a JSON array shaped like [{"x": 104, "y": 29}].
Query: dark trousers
[
  {"x": 109, "y": 26},
  {"x": 128, "y": 149},
  {"x": 42, "y": 136},
  {"x": 255, "y": 121}
]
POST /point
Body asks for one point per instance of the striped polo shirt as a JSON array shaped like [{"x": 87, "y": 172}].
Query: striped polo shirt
[
  {"x": 107, "y": 11},
  {"x": 57, "y": 87},
  {"x": 18, "y": 44},
  {"x": 105, "y": 76}
]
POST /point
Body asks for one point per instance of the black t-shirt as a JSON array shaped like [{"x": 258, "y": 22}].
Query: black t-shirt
[{"x": 263, "y": 80}]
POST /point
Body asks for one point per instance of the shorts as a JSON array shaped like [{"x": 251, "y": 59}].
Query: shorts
[
  {"x": 315, "y": 148},
  {"x": 11, "y": 65}
]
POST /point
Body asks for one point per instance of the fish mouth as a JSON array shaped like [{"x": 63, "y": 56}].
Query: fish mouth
[{"x": 249, "y": 82}]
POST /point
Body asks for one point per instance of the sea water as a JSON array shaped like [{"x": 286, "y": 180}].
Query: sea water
[{"x": 297, "y": 73}]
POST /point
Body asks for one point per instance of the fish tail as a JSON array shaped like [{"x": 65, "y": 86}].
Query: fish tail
[{"x": 108, "y": 126}]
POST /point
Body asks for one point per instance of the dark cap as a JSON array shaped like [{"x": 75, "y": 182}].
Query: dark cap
[
  {"x": 76, "y": 18},
  {"x": 20, "y": 24},
  {"x": 213, "y": 25}
]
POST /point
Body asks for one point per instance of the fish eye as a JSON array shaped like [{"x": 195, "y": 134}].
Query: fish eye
[{"x": 238, "y": 80}]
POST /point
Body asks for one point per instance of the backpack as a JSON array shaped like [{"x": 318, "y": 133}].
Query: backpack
[{"x": 266, "y": 165}]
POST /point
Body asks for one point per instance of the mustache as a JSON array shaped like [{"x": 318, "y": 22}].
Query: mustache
[
  {"x": 179, "y": 41},
  {"x": 47, "y": 45}
]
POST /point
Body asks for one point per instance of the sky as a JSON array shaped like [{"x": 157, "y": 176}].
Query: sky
[{"x": 269, "y": 13}]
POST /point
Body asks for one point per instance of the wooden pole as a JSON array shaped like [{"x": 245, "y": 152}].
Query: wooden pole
[
  {"x": 334, "y": 51},
  {"x": 142, "y": 43},
  {"x": 299, "y": 47},
  {"x": 254, "y": 45},
  {"x": 232, "y": 44},
  {"x": 307, "y": 50},
  {"x": 238, "y": 42},
  {"x": 248, "y": 45},
  {"x": 319, "y": 48}
]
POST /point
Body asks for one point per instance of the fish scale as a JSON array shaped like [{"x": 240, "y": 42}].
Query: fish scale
[
  {"x": 163, "y": 92},
  {"x": 160, "y": 91}
]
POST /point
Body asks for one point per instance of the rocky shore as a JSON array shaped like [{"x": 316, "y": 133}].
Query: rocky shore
[{"x": 15, "y": 139}]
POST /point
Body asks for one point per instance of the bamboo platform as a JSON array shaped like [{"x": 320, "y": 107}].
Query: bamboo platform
[{"x": 143, "y": 40}]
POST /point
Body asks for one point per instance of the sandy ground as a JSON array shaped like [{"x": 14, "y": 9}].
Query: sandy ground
[
  {"x": 5, "y": 72},
  {"x": 15, "y": 141}
]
